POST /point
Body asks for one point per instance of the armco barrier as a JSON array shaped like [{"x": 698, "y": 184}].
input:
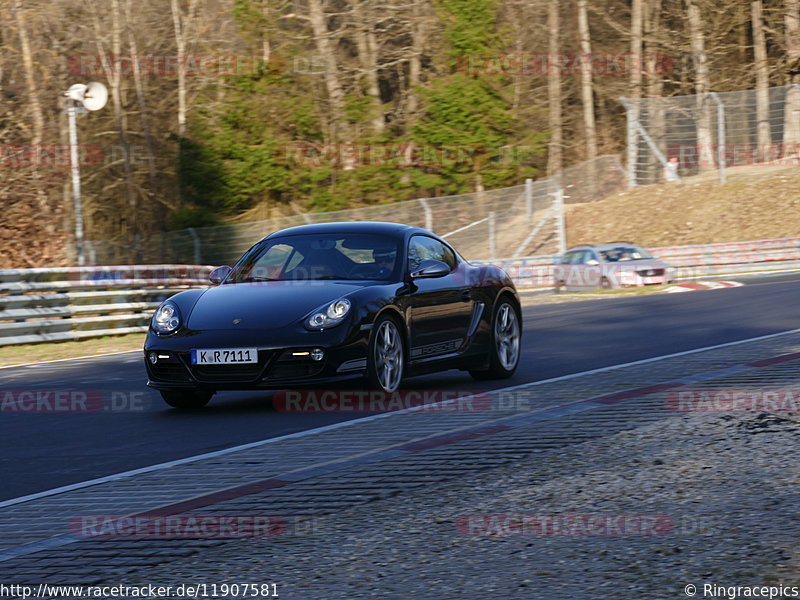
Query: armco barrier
[
  {"x": 691, "y": 261},
  {"x": 40, "y": 305}
]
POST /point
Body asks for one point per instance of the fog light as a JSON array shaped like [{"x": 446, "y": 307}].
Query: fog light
[
  {"x": 153, "y": 358},
  {"x": 317, "y": 354}
]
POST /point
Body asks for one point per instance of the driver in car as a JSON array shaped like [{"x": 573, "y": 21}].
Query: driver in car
[{"x": 385, "y": 261}]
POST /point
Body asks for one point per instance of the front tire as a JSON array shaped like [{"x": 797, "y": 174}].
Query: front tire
[
  {"x": 386, "y": 363},
  {"x": 186, "y": 400},
  {"x": 505, "y": 342}
]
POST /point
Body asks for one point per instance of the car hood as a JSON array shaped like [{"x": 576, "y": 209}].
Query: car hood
[{"x": 263, "y": 305}]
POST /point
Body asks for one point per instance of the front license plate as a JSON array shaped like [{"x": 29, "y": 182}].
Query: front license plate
[{"x": 224, "y": 356}]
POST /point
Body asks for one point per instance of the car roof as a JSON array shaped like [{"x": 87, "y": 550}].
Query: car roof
[
  {"x": 375, "y": 227},
  {"x": 607, "y": 246}
]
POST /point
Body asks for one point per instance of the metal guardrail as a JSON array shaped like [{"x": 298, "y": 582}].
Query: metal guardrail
[
  {"x": 41, "y": 305},
  {"x": 691, "y": 261}
]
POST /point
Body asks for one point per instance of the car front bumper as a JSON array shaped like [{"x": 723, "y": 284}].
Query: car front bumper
[{"x": 345, "y": 357}]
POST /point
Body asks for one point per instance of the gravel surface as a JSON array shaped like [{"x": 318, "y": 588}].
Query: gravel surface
[{"x": 722, "y": 489}]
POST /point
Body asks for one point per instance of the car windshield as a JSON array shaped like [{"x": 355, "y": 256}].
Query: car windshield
[
  {"x": 349, "y": 256},
  {"x": 623, "y": 253}
]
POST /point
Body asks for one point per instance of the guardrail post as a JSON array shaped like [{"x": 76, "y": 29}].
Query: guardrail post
[
  {"x": 428, "y": 213},
  {"x": 561, "y": 230},
  {"x": 198, "y": 260},
  {"x": 632, "y": 143},
  {"x": 720, "y": 136},
  {"x": 90, "y": 250},
  {"x": 529, "y": 199},
  {"x": 136, "y": 246},
  {"x": 76, "y": 181},
  {"x": 492, "y": 236}
]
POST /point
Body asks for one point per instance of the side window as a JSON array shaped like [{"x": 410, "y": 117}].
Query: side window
[
  {"x": 421, "y": 247},
  {"x": 449, "y": 257},
  {"x": 273, "y": 261},
  {"x": 569, "y": 258}
]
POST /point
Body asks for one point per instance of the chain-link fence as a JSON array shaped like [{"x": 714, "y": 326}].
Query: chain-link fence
[
  {"x": 515, "y": 221},
  {"x": 712, "y": 136}
]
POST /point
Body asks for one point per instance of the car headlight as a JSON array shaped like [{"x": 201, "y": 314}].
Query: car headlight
[
  {"x": 167, "y": 318},
  {"x": 328, "y": 315}
]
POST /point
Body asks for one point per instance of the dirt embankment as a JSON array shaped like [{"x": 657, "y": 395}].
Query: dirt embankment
[{"x": 751, "y": 207}]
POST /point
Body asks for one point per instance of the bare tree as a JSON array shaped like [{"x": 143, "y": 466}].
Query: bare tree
[
  {"x": 112, "y": 66},
  {"x": 144, "y": 115},
  {"x": 791, "y": 19},
  {"x": 183, "y": 24},
  {"x": 762, "y": 80},
  {"x": 333, "y": 85},
  {"x": 555, "y": 148},
  {"x": 637, "y": 45},
  {"x": 368, "y": 58},
  {"x": 30, "y": 79},
  {"x": 791, "y": 119},
  {"x": 702, "y": 85},
  {"x": 419, "y": 33},
  {"x": 655, "y": 82},
  {"x": 587, "y": 94}
]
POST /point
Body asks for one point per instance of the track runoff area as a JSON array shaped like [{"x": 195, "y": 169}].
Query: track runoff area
[{"x": 283, "y": 490}]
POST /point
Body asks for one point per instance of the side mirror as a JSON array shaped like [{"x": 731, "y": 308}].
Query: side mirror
[
  {"x": 592, "y": 262},
  {"x": 219, "y": 274},
  {"x": 430, "y": 268}
]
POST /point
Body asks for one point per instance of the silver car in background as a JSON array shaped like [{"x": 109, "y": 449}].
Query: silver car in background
[{"x": 615, "y": 265}]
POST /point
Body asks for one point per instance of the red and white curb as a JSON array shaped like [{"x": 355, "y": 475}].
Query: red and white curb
[{"x": 702, "y": 285}]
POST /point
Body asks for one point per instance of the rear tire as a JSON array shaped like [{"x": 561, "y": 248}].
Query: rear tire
[
  {"x": 386, "y": 361},
  {"x": 505, "y": 342},
  {"x": 186, "y": 400}
]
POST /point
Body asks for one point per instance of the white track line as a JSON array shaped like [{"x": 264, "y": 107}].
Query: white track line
[{"x": 299, "y": 434}]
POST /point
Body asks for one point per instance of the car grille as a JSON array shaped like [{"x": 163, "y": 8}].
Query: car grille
[
  {"x": 169, "y": 369},
  {"x": 651, "y": 272},
  {"x": 292, "y": 370}
]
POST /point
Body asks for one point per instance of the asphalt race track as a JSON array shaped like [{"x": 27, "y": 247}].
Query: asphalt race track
[{"x": 43, "y": 451}]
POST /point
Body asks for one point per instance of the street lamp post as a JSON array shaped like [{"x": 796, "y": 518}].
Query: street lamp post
[{"x": 80, "y": 98}]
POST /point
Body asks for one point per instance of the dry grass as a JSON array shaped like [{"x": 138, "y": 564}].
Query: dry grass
[
  {"x": 28, "y": 353},
  {"x": 753, "y": 205}
]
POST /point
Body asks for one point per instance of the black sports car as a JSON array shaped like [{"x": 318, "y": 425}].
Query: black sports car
[{"x": 320, "y": 303}]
